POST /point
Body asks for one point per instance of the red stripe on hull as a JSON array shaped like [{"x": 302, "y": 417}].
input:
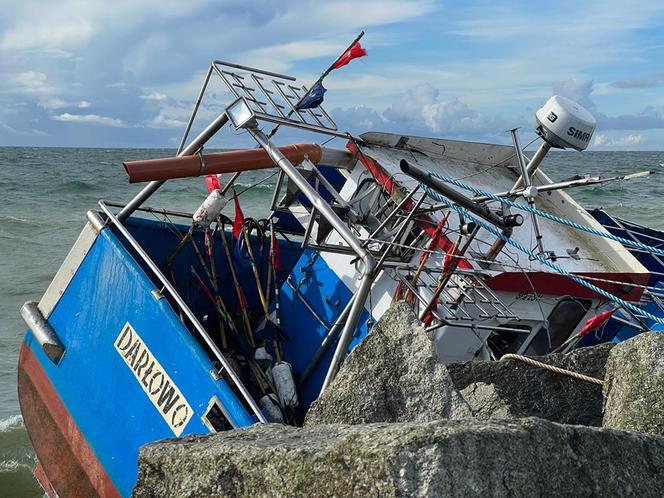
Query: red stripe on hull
[
  {"x": 553, "y": 284},
  {"x": 68, "y": 463}
]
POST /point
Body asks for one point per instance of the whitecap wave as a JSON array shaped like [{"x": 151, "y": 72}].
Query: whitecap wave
[
  {"x": 10, "y": 423},
  {"x": 14, "y": 465}
]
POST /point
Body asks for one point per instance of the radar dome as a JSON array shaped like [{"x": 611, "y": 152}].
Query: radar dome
[{"x": 565, "y": 124}]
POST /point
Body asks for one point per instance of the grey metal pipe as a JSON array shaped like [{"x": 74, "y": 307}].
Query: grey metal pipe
[
  {"x": 43, "y": 332},
  {"x": 525, "y": 177},
  {"x": 191, "y": 149},
  {"x": 400, "y": 232},
  {"x": 443, "y": 189},
  {"x": 327, "y": 341},
  {"x": 349, "y": 237},
  {"x": 332, "y": 332},
  {"x": 534, "y": 163},
  {"x": 389, "y": 217},
  {"x": 185, "y": 309}
]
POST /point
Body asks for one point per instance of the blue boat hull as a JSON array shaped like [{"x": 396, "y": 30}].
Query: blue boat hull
[{"x": 133, "y": 373}]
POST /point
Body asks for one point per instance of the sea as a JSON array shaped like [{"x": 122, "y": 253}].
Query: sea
[{"x": 45, "y": 193}]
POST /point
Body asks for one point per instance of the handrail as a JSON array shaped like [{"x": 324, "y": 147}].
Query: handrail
[
  {"x": 191, "y": 149},
  {"x": 190, "y": 315},
  {"x": 326, "y": 211}
]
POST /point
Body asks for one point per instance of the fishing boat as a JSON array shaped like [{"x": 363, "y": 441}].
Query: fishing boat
[{"x": 162, "y": 323}]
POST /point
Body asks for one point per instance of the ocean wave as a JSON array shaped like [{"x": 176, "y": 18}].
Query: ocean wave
[
  {"x": 262, "y": 186},
  {"x": 17, "y": 220},
  {"x": 77, "y": 186},
  {"x": 11, "y": 423},
  {"x": 14, "y": 465}
]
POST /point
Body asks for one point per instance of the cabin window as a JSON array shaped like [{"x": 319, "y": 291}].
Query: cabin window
[
  {"x": 563, "y": 319},
  {"x": 509, "y": 341},
  {"x": 215, "y": 417}
]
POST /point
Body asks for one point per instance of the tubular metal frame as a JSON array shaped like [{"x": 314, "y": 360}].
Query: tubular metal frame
[
  {"x": 114, "y": 220},
  {"x": 325, "y": 210}
]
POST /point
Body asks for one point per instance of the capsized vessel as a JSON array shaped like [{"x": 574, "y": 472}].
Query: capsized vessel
[{"x": 161, "y": 323}]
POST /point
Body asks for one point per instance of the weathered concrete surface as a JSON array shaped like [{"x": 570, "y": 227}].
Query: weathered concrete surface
[
  {"x": 392, "y": 376},
  {"x": 634, "y": 385},
  {"x": 532, "y": 391},
  {"x": 526, "y": 457}
]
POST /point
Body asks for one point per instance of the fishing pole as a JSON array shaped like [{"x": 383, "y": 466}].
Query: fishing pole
[
  {"x": 425, "y": 256},
  {"x": 238, "y": 290},
  {"x": 214, "y": 281},
  {"x": 254, "y": 270}
]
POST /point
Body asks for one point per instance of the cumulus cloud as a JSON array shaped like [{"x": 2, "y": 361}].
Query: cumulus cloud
[
  {"x": 359, "y": 118},
  {"x": 626, "y": 141},
  {"x": 154, "y": 96},
  {"x": 90, "y": 119},
  {"x": 423, "y": 110},
  {"x": 29, "y": 82},
  {"x": 162, "y": 121},
  {"x": 54, "y": 103},
  {"x": 580, "y": 90},
  {"x": 423, "y": 107}
]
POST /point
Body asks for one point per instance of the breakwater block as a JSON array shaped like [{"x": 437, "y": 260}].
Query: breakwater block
[
  {"x": 523, "y": 457},
  {"x": 634, "y": 384}
]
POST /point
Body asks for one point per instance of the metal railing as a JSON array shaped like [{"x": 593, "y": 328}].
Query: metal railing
[{"x": 185, "y": 309}]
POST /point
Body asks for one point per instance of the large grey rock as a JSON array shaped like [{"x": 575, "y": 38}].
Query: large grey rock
[
  {"x": 391, "y": 376},
  {"x": 485, "y": 402},
  {"x": 634, "y": 384},
  {"x": 523, "y": 390},
  {"x": 525, "y": 457}
]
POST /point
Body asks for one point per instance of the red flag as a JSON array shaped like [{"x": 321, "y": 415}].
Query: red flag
[
  {"x": 353, "y": 52},
  {"x": 238, "y": 224},
  {"x": 433, "y": 243},
  {"x": 208, "y": 243},
  {"x": 212, "y": 183},
  {"x": 595, "y": 322}
]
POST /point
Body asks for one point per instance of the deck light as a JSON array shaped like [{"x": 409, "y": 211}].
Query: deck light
[{"x": 241, "y": 114}]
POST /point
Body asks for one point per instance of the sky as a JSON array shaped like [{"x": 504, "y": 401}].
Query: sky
[{"x": 87, "y": 73}]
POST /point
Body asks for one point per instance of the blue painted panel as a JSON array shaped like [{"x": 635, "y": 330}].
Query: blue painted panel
[
  {"x": 99, "y": 390},
  {"x": 327, "y": 295},
  {"x": 159, "y": 241},
  {"x": 642, "y": 234}
]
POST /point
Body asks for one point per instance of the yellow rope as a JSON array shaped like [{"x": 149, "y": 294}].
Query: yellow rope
[{"x": 546, "y": 366}]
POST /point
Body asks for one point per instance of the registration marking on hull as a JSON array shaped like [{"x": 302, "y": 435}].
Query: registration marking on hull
[{"x": 153, "y": 379}]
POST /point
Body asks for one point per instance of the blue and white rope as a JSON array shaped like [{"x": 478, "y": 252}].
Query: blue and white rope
[
  {"x": 542, "y": 259},
  {"x": 544, "y": 214}
]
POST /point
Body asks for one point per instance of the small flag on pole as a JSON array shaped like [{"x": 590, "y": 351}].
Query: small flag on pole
[
  {"x": 212, "y": 183},
  {"x": 313, "y": 98},
  {"x": 435, "y": 238},
  {"x": 596, "y": 322},
  {"x": 238, "y": 223},
  {"x": 353, "y": 52}
]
